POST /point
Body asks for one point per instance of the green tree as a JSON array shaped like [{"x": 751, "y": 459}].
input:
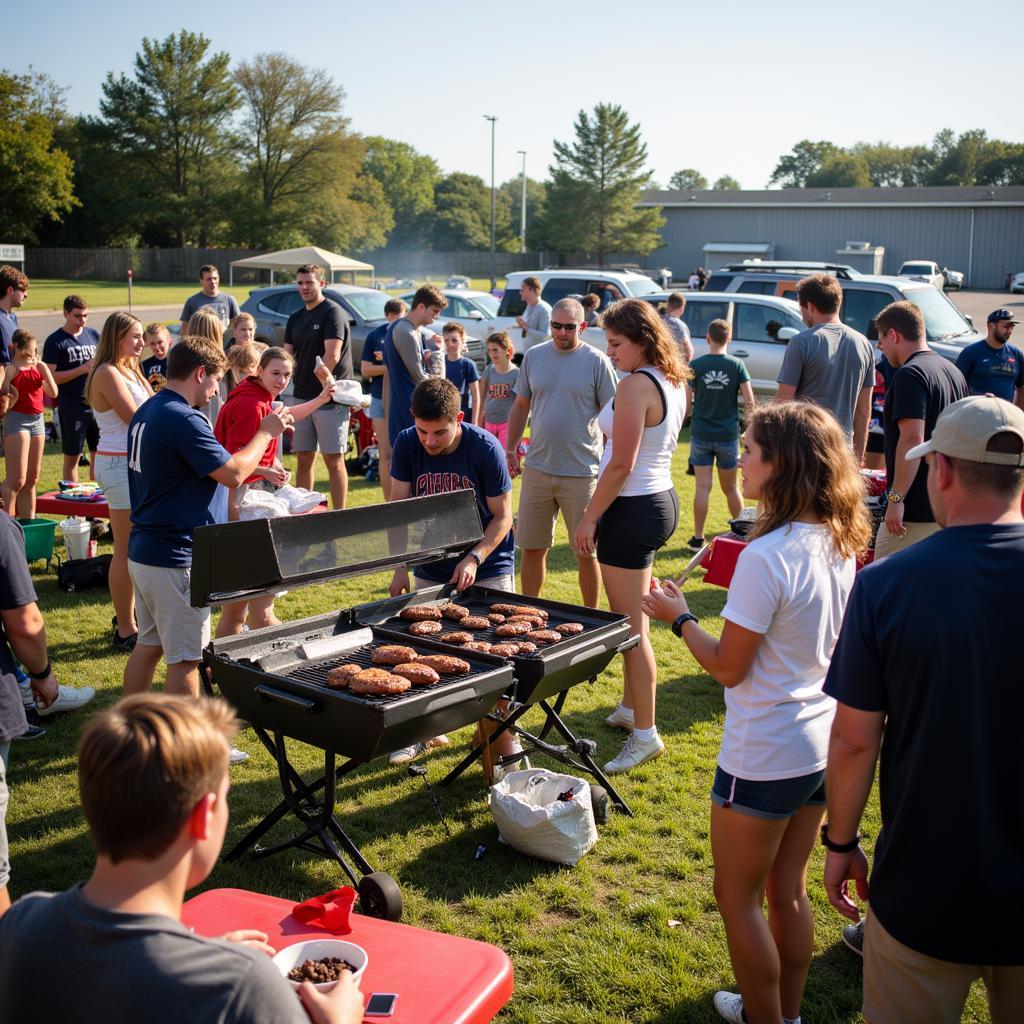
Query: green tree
[
  {"x": 596, "y": 183},
  {"x": 841, "y": 170},
  {"x": 1007, "y": 169},
  {"x": 688, "y": 178},
  {"x": 35, "y": 174},
  {"x": 510, "y": 198},
  {"x": 168, "y": 134},
  {"x": 803, "y": 160},
  {"x": 462, "y": 214},
  {"x": 726, "y": 183},
  {"x": 408, "y": 180}
]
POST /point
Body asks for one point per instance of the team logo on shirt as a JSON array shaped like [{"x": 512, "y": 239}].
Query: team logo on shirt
[{"x": 716, "y": 380}]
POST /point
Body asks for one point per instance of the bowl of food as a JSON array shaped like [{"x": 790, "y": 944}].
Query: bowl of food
[{"x": 321, "y": 961}]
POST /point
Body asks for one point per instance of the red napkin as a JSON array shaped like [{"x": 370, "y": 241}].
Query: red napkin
[{"x": 330, "y": 911}]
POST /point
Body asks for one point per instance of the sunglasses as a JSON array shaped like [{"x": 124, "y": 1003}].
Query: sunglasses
[{"x": 563, "y": 327}]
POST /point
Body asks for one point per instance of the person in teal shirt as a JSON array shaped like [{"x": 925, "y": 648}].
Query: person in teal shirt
[{"x": 719, "y": 380}]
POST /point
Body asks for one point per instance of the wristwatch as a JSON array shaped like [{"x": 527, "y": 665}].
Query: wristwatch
[
  {"x": 677, "y": 626},
  {"x": 893, "y": 497},
  {"x": 838, "y": 847}
]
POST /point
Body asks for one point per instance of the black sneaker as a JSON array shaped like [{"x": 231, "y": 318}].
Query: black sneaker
[
  {"x": 122, "y": 643},
  {"x": 32, "y": 732},
  {"x": 83, "y": 461},
  {"x": 696, "y": 543},
  {"x": 853, "y": 937},
  {"x": 689, "y": 469}
]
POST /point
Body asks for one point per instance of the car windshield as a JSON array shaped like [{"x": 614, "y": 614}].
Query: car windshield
[
  {"x": 642, "y": 286},
  {"x": 915, "y": 268},
  {"x": 511, "y": 302},
  {"x": 369, "y": 305},
  {"x": 941, "y": 318}
]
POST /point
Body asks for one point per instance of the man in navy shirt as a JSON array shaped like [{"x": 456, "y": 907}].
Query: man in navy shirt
[
  {"x": 994, "y": 366},
  {"x": 372, "y": 367},
  {"x": 174, "y": 466},
  {"x": 13, "y": 289},
  {"x": 69, "y": 352},
  {"x": 943, "y": 681}
]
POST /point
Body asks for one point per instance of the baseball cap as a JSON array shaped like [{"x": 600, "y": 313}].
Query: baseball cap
[
  {"x": 964, "y": 428},
  {"x": 999, "y": 315}
]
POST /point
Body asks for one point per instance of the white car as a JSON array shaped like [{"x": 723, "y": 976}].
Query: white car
[
  {"x": 954, "y": 279},
  {"x": 923, "y": 270},
  {"x": 470, "y": 308},
  {"x": 1017, "y": 283}
]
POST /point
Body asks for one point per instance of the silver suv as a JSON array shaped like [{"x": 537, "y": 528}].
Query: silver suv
[{"x": 948, "y": 330}]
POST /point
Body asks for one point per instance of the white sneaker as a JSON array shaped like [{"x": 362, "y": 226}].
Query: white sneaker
[
  {"x": 237, "y": 756},
  {"x": 730, "y": 1007},
  {"x": 635, "y": 752},
  {"x": 404, "y": 754},
  {"x": 69, "y": 698},
  {"x": 620, "y": 718}
]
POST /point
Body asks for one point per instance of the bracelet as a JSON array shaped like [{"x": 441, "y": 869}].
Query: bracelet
[
  {"x": 45, "y": 674},
  {"x": 476, "y": 558},
  {"x": 838, "y": 847}
]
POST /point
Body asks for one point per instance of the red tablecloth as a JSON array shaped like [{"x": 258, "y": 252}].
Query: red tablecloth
[
  {"x": 52, "y": 504},
  {"x": 440, "y": 979}
]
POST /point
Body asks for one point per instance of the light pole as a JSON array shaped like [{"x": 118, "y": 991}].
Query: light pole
[
  {"x": 494, "y": 277},
  {"x": 522, "y": 206}
]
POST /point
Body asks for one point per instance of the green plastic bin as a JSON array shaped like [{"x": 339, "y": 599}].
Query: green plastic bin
[{"x": 39, "y": 534}]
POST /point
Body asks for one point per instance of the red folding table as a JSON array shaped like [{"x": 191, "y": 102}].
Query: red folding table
[
  {"x": 52, "y": 504},
  {"x": 439, "y": 979}
]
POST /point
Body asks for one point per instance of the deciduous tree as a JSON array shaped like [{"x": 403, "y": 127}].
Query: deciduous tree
[
  {"x": 726, "y": 183},
  {"x": 803, "y": 160},
  {"x": 688, "y": 178},
  {"x": 408, "y": 180}
]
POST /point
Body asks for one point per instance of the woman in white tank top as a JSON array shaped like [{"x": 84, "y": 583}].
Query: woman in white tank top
[
  {"x": 115, "y": 389},
  {"x": 635, "y": 509}
]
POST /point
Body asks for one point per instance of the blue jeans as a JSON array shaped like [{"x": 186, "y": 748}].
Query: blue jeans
[{"x": 706, "y": 453}]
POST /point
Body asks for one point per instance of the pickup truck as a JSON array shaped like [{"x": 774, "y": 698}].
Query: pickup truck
[{"x": 923, "y": 270}]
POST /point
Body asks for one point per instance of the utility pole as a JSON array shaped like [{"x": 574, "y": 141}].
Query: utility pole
[
  {"x": 522, "y": 206},
  {"x": 494, "y": 275}
]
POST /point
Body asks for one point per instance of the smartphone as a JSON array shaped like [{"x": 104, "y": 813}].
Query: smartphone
[{"x": 381, "y": 1004}]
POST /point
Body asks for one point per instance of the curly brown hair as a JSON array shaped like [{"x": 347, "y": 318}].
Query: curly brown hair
[
  {"x": 639, "y": 322},
  {"x": 813, "y": 471}
]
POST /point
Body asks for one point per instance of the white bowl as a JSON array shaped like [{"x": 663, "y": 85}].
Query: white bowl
[{"x": 317, "y": 949}]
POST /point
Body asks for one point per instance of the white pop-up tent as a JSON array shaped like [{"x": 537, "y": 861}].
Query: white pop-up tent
[{"x": 292, "y": 259}]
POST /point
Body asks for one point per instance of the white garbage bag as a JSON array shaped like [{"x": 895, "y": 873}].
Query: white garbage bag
[
  {"x": 298, "y": 499},
  {"x": 533, "y": 820},
  {"x": 262, "y": 505}
]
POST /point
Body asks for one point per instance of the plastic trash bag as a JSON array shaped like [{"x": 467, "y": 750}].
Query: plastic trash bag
[
  {"x": 259, "y": 504},
  {"x": 298, "y": 499}
]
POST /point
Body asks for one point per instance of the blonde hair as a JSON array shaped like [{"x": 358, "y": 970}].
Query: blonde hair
[
  {"x": 204, "y": 324},
  {"x": 116, "y": 326},
  {"x": 243, "y": 318},
  {"x": 144, "y": 764},
  {"x": 813, "y": 471},
  {"x": 156, "y": 328}
]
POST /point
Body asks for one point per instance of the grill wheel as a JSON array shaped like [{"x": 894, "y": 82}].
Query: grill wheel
[{"x": 379, "y": 896}]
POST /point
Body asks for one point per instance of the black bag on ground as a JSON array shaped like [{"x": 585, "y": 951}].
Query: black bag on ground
[{"x": 83, "y": 573}]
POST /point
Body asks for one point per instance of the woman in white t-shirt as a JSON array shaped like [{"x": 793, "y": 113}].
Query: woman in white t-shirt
[
  {"x": 634, "y": 509},
  {"x": 782, "y": 618}
]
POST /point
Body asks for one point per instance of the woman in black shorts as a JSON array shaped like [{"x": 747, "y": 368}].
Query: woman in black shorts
[{"x": 635, "y": 509}]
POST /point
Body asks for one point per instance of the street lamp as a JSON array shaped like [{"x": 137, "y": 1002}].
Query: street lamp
[
  {"x": 522, "y": 206},
  {"x": 494, "y": 276}
]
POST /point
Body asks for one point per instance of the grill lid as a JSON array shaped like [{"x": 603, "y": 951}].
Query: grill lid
[{"x": 253, "y": 558}]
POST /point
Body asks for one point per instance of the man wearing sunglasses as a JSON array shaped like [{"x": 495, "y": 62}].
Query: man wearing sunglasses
[{"x": 563, "y": 384}]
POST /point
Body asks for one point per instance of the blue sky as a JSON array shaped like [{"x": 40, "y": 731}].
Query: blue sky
[{"x": 723, "y": 87}]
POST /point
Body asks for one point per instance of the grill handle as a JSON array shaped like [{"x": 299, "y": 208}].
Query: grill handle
[
  {"x": 267, "y": 694},
  {"x": 628, "y": 644}
]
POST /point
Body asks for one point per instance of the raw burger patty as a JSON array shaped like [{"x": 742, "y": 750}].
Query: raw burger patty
[
  {"x": 393, "y": 654},
  {"x": 420, "y": 613},
  {"x": 444, "y": 664},
  {"x": 425, "y": 627},
  {"x": 417, "y": 673},
  {"x": 378, "y": 682},
  {"x": 338, "y": 678}
]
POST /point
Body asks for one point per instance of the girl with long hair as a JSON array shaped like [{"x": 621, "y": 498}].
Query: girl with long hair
[
  {"x": 204, "y": 323},
  {"x": 115, "y": 388},
  {"x": 782, "y": 618},
  {"x": 635, "y": 508}
]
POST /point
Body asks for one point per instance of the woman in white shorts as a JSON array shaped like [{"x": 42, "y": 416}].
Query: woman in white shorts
[{"x": 115, "y": 389}]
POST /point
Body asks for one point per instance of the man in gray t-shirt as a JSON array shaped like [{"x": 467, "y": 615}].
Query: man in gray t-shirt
[
  {"x": 222, "y": 305},
  {"x": 563, "y": 384},
  {"x": 535, "y": 323},
  {"x": 829, "y": 364}
]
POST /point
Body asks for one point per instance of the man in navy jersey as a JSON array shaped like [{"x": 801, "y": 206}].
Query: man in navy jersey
[{"x": 174, "y": 466}]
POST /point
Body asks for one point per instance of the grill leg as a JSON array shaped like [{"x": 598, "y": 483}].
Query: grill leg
[{"x": 505, "y": 724}]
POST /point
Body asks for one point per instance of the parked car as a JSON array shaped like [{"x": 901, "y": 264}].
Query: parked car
[
  {"x": 923, "y": 270},
  {"x": 1017, "y": 283},
  {"x": 947, "y": 329},
  {"x": 472, "y": 309},
  {"x": 458, "y": 281},
  {"x": 761, "y": 327},
  {"x": 954, "y": 279},
  {"x": 610, "y": 285},
  {"x": 272, "y": 306}
]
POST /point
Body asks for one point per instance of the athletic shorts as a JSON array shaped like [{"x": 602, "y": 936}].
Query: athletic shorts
[
  {"x": 30, "y": 423},
  {"x": 777, "y": 798},
  {"x": 632, "y": 529},
  {"x": 112, "y": 476},
  {"x": 326, "y": 430},
  {"x": 78, "y": 426},
  {"x": 876, "y": 442},
  {"x": 166, "y": 618},
  {"x": 541, "y": 498},
  {"x": 707, "y": 453},
  {"x": 376, "y": 408}
]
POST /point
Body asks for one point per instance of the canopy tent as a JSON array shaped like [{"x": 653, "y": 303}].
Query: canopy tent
[{"x": 292, "y": 259}]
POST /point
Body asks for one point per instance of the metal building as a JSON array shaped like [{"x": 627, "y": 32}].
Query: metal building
[{"x": 977, "y": 230}]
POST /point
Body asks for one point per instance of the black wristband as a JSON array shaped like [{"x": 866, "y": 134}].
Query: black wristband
[
  {"x": 476, "y": 558},
  {"x": 838, "y": 847},
  {"x": 677, "y": 626},
  {"x": 45, "y": 674}
]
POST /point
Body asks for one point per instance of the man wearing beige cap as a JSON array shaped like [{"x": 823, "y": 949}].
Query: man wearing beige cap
[{"x": 928, "y": 653}]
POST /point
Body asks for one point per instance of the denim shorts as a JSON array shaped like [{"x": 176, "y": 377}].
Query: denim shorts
[
  {"x": 112, "y": 476},
  {"x": 30, "y": 423},
  {"x": 376, "y": 408},
  {"x": 778, "y": 798},
  {"x": 707, "y": 453}
]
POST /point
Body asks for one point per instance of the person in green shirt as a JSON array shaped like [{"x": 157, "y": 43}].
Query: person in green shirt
[{"x": 719, "y": 380}]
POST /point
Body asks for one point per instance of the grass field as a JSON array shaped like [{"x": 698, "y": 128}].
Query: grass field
[{"x": 630, "y": 934}]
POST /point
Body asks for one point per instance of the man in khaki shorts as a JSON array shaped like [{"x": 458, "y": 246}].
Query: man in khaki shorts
[{"x": 563, "y": 384}]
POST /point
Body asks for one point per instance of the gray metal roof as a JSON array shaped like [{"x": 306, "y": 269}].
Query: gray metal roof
[{"x": 975, "y": 195}]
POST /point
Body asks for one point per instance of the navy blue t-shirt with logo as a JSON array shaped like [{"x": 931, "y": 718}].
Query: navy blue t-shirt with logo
[
  {"x": 171, "y": 453},
  {"x": 986, "y": 369},
  {"x": 67, "y": 352},
  {"x": 373, "y": 352},
  {"x": 477, "y": 464}
]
